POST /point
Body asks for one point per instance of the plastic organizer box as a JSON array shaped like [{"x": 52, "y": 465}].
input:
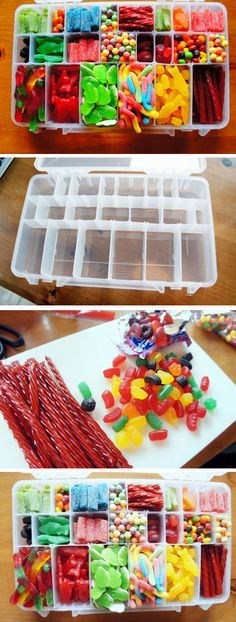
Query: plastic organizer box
[
  {"x": 136, "y": 230},
  {"x": 33, "y": 98},
  {"x": 94, "y": 494}
]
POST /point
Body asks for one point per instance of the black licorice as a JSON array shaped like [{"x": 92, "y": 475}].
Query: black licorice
[{"x": 88, "y": 404}]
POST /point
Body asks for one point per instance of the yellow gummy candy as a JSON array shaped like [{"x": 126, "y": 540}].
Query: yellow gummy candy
[
  {"x": 138, "y": 382},
  {"x": 149, "y": 113},
  {"x": 165, "y": 377},
  {"x": 190, "y": 565},
  {"x": 115, "y": 383},
  {"x": 186, "y": 399},
  {"x": 122, "y": 439},
  {"x": 159, "y": 89},
  {"x": 140, "y": 394},
  {"x": 175, "y": 394},
  {"x": 171, "y": 416},
  {"x": 160, "y": 70},
  {"x": 165, "y": 81},
  {"x": 135, "y": 435},
  {"x": 167, "y": 109},
  {"x": 184, "y": 597},
  {"x": 178, "y": 588},
  {"x": 136, "y": 125},
  {"x": 176, "y": 121},
  {"x": 156, "y": 356},
  {"x": 137, "y": 422}
]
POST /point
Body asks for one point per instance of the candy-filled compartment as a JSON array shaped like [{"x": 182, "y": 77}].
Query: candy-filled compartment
[
  {"x": 90, "y": 527},
  {"x": 71, "y": 578}
]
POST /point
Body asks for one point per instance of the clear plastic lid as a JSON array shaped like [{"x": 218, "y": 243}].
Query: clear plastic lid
[
  {"x": 151, "y": 164},
  {"x": 179, "y": 474}
]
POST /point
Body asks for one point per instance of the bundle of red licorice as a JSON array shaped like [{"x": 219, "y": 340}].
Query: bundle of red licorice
[
  {"x": 48, "y": 423},
  {"x": 145, "y": 497},
  {"x": 213, "y": 562}
]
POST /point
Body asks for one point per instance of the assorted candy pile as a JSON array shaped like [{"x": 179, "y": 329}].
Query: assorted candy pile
[
  {"x": 33, "y": 576},
  {"x": 190, "y": 49},
  {"x": 197, "y": 529},
  {"x": 110, "y": 576},
  {"x": 213, "y": 563},
  {"x": 142, "y": 41},
  {"x": 222, "y": 529},
  {"x": 90, "y": 529},
  {"x": 89, "y": 498},
  {"x": 118, "y": 47},
  {"x": 147, "y": 575},
  {"x": 160, "y": 389},
  {"x": 145, "y": 544},
  {"x": 72, "y": 575},
  {"x": 62, "y": 498},
  {"x": 53, "y": 530},
  {"x": 31, "y": 499},
  {"x": 181, "y": 570},
  {"x": 223, "y": 324},
  {"x": 63, "y": 95},
  {"x": 217, "y": 48}
]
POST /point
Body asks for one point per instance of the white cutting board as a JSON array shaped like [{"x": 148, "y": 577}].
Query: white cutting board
[{"x": 83, "y": 356}]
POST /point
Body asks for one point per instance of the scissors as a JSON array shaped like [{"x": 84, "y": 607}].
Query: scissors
[{"x": 5, "y": 341}]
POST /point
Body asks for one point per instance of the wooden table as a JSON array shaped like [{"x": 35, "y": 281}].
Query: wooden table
[
  {"x": 13, "y": 188},
  {"x": 224, "y": 612},
  {"x": 15, "y": 139},
  {"x": 39, "y": 327}
]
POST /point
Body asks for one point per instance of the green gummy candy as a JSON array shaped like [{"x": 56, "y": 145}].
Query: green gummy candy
[
  {"x": 115, "y": 578},
  {"x": 114, "y": 95},
  {"x": 120, "y": 423},
  {"x": 110, "y": 556},
  {"x": 62, "y": 520},
  {"x": 49, "y": 598},
  {"x": 210, "y": 403},
  {"x": 107, "y": 112},
  {"x": 96, "y": 592},
  {"x": 93, "y": 118},
  {"x": 104, "y": 96},
  {"x": 52, "y": 529},
  {"x": 100, "y": 72},
  {"x": 124, "y": 573},
  {"x": 122, "y": 556},
  {"x": 43, "y": 539},
  {"x": 95, "y": 552},
  {"x": 89, "y": 80},
  {"x": 99, "y": 562},
  {"x": 112, "y": 75},
  {"x": 86, "y": 70},
  {"x": 105, "y": 600},
  {"x": 197, "y": 393},
  {"x": 86, "y": 108},
  {"x": 91, "y": 94},
  {"x": 84, "y": 389},
  {"x": 192, "y": 381},
  {"x": 38, "y": 601},
  {"x": 102, "y": 577},
  {"x": 154, "y": 421},
  {"x": 119, "y": 594}
]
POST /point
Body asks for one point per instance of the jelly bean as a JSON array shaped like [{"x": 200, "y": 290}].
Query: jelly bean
[
  {"x": 122, "y": 439},
  {"x": 222, "y": 529},
  {"x": 138, "y": 393},
  {"x": 175, "y": 394},
  {"x": 186, "y": 399},
  {"x": 108, "y": 399},
  {"x": 112, "y": 371},
  {"x": 197, "y": 529},
  {"x": 205, "y": 383},
  {"x": 138, "y": 382},
  {"x": 175, "y": 369},
  {"x": 118, "y": 360},
  {"x": 88, "y": 404},
  {"x": 201, "y": 412},
  {"x": 217, "y": 48},
  {"x": 165, "y": 392},
  {"x": 158, "y": 435},
  {"x": 134, "y": 434},
  {"x": 210, "y": 403},
  {"x": 153, "y": 421},
  {"x": 113, "y": 416},
  {"x": 179, "y": 409},
  {"x": 84, "y": 390},
  {"x": 189, "y": 48},
  {"x": 120, "y": 423}
]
